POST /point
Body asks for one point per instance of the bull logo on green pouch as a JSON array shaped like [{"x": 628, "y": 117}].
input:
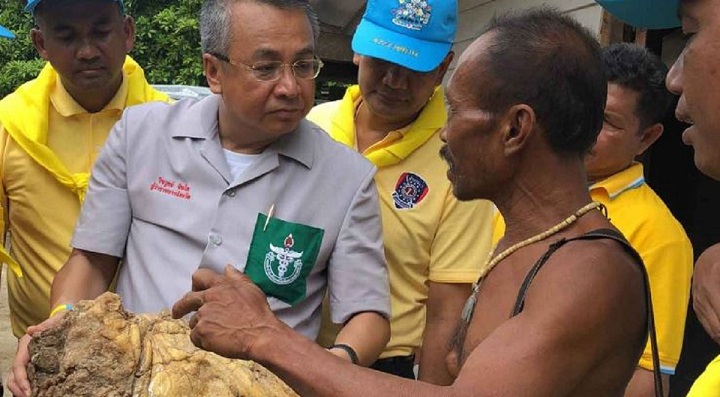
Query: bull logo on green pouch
[{"x": 287, "y": 260}]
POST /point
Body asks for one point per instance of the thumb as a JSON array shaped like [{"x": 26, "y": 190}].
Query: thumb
[{"x": 45, "y": 325}]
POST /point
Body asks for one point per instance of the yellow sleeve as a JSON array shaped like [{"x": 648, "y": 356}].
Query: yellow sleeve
[
  {"x": 669, "y": 267},
  {"x": 462, "y": 241},
  {"x": 3, "y": 197},
  {"x": 4, "y": 215}
]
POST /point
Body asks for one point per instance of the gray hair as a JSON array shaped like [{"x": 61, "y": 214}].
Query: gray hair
[{"x": 215, "y": 33}]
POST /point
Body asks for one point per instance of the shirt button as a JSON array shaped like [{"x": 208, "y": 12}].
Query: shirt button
[
  {"x": 230, "y": 193},
  {"x": 215, "y": 240}
]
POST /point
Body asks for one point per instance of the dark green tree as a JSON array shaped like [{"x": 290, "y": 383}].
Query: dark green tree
[
  {"x": 18, "y": 60},
  {"x": 167, "y": 44}
]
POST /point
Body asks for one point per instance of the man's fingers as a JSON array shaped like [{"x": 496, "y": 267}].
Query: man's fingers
[
  {"x": 45, "y": 325},
  {"x": 195, "y": 339},
  {"x": 708, "y": 318},
  {"x": 203, "y": 279},
  {"x": 713, "y": 325},
  {"x": 34, "y": 329},
  {"x": 193, "y": 320},
  {"x": 234, "y": 274},
  {"x": 189, "y": 303},
  {"x": 14, "y": 387},
  {"x": 706, "y": 296},
  {"x": 17, "y": 381},
  {"x": 22, "y": 356}
]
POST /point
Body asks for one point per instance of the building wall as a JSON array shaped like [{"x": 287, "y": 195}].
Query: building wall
[{"x": 475, "y": 14}]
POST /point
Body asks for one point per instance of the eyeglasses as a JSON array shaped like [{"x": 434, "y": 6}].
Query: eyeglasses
[{"x": 270, "y": 71}]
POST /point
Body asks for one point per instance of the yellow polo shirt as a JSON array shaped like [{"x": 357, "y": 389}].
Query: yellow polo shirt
[
  {"x": 637, "y": 211},
  {"x": 39, "y": 211},
  {"x": 708, "y": 384},
  {"x": 428, "y": 234}
]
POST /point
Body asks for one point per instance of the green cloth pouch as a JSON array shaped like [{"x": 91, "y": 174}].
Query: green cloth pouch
[{"x": 282, "y": 255}]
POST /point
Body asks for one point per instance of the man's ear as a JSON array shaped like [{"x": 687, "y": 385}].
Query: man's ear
[
  {"x": 129, "y": 30},
  {"x": 517, "y": 128},
  {"x": 443, "y": 68},
  {"x": 213, "y": 73},
  {"x": 356, "y": 59},
  {"x": 38, "y": 40},
  {"x": 648, "y": 136}
]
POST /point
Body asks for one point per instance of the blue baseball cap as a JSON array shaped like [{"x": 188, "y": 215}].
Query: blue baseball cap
[
  {"x": 416, "y": 34},
  {"x": 648, "y": 14},
  {"x": 6, "y": 33},
  {"x": 31, "y": 4}
]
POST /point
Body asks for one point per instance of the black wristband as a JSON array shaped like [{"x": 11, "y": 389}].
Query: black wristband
[{"x": 349, "y": 350}]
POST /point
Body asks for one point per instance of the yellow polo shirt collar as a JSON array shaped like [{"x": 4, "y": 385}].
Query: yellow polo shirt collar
[
  {"x": 628, "y": 179},
  {"x": 398, "y": 145},
  {"x": 24, "y": 116},
  {"x": 66, "y": 106}
]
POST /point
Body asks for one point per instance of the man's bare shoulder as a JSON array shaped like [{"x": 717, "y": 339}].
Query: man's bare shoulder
[
  {"x": 593, "y": 268},
  {"x": 581, "y": 330}
]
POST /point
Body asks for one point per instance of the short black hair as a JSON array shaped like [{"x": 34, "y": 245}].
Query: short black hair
[
  {"x": 547, "y": 60},
  {"x": 39, "y": 11},
  {"x": 634, "y": 67}
]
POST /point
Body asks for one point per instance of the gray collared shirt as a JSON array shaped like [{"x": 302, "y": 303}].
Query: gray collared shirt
[{"x": 162, "y": 198}]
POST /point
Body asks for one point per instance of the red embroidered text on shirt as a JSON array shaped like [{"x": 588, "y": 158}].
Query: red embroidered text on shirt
[{"x": 172, "y": 188}]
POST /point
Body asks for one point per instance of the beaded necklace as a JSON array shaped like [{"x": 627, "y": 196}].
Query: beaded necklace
[{"x": 491, "y": 262}]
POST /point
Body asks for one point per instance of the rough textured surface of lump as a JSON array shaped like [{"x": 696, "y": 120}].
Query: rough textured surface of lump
[{"x": 99, "y": 349}]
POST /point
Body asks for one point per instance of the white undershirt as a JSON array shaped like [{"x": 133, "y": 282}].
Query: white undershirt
[{"x": 238, "y": 162}]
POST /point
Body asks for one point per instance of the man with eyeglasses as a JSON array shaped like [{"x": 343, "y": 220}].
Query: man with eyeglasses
[
  {"x": 564, "y": 312},
  {"x": 237, "y": 178},
  {"x": 393, "y": 117}
]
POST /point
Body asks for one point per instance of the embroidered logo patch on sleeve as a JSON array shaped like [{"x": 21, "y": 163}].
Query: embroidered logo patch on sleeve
[
  {"x": 410, "y": 190},
  {"x": 282, "y": 255}
]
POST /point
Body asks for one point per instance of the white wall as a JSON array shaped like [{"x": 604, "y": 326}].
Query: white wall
[{"x": 475, "y": 14}]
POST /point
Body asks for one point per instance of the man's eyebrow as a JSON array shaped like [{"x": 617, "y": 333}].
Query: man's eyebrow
[
  {"x": 305, "y": 51},
  {"x": 100, "y": 22},
  {"x": 271, "y": 53},
  {"x": 61, "y": 28},
  {"x": 265, "y": 53}
]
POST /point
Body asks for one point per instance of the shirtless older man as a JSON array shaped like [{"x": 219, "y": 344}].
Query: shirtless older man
[{"x": 524, "y": 105}]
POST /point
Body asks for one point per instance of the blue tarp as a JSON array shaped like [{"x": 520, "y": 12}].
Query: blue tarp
[
  {"x": 648, "y": 14},
  {"x": 4, "y": 32}
]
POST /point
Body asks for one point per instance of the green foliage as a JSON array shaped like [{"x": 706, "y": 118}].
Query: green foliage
[
  {"x": 14, "y": 73},
  {"x": 18, "y": 59},
  {"x": 167, "y": 43}
]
